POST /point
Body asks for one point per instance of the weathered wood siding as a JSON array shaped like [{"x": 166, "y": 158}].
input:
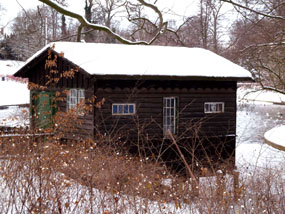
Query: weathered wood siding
[
  {"x": 38, "y": 74},
  {"x": 148, "y": 97}
]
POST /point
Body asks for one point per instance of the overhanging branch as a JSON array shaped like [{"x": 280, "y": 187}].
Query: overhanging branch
[
  {"x": 85, "y": 23},
  {"x": 254, "y": 11}
]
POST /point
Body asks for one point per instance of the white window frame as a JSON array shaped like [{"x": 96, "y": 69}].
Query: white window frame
[
  {"x": 170, "y": 115},
  {"x": 213, "y": 109},
  {"x": 74, "y": 98},
  {"x": 123, "y": 106}
]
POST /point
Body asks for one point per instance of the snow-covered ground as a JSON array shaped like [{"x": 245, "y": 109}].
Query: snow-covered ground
[
  {"x": 256, "y": 114},
  {"x": 14, "y": 116},
  {"x": 13, "y": 91},
  {"x": 9, "y": 67}
]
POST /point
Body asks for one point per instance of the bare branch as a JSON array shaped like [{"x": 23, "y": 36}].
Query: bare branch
[
  {"x": 270, "y": 44},
  {"x": 268, "y": 88},
  {"x": 154, "y": 8},
  {"x": 254, "y": 11},
  {"x": 23, "y": 9},
  {"x": 79, "y": 32},
  {"x": 85, "y": 23}
]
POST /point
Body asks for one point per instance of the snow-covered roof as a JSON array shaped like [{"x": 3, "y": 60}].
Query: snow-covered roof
[
  {"x": 141, "y": 60},
  {"x": 9, "y": 67}
]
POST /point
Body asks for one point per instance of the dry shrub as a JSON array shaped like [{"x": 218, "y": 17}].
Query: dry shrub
[{"x": 43, "y": 175}]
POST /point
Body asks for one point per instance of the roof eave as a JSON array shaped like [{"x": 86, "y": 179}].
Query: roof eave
[
  {"x": 43, "y": 55},
  {"x": 162, "y": 77},
  {"x": 26, "y": 67}
]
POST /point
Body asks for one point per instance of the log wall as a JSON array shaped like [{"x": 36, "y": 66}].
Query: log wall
[{"x": 148, "y": 97}]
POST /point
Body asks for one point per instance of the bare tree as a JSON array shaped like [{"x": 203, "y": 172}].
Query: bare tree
[
  {"x": 103, "y": 13},
  {"x": 31, "y": 28},
  {"x": 259, "y": 40},
  {"x": 160, "y": 25},
  {"x": 204, "y": 29}
]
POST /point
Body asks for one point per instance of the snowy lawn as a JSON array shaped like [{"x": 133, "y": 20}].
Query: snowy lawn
[
  {"x": 9, "y": 67},
  {"x": 257, "y": 114},
  {"x": 14, "y": 93},
  {"x": 14, "y": 116}
]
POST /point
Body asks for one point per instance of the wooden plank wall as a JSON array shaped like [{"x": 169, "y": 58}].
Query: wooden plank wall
[
  {"x": 148, "y": 97},
  {"x": 84, "y": 126}
]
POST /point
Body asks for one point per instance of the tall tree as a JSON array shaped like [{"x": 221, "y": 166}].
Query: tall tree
[
  {"x": 259, "y": 41},
  {"x": 29, "y": 30},
  {"x": 203, "y": 29}
]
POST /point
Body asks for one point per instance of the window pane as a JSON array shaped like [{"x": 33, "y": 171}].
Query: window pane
[
  {"x": 219, "y": 107},
  {"x": 131, "y": 109},
  {"x": 81, "y": 93},
  {"x": 168, "y": 103},
  {"x": 126, "y": 109},
  {"x": 168, "y": 121},
  {"x": 120, "y": 109},
  {"x": 172, "y": 102},
  {"x": 73, "y": 100},
  {"x": 172, "y": 129},
  {"x": 168, "y": 112},
  {"x": 206, "y": 107},
  {"x": 115, "y": 109},
  {"x": 73, "y": 92}
]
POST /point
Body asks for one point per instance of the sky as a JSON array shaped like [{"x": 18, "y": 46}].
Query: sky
[{"x": 13, "y": 7}]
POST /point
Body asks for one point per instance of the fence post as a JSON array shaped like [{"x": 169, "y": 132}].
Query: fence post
[
  {"x": 236, "y": 184},
  {"x": 220, "y": 185}
]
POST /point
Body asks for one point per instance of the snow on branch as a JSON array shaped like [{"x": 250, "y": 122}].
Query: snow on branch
[
  {"x": 269, "y": 88},
  {"x": 85, "y": 23}
]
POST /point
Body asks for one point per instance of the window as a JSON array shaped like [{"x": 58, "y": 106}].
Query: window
[
  {"x": 123, "y": 109},
  {"x": 75, "y": 97},
  {"x": 169, "y": 115},
  {"x": 214, "y": 107}
]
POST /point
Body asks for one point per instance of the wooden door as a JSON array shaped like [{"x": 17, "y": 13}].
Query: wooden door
[{"x": 43, "y": 109}]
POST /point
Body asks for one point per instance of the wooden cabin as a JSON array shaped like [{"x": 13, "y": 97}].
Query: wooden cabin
[{"x": 148, "y": 91}]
